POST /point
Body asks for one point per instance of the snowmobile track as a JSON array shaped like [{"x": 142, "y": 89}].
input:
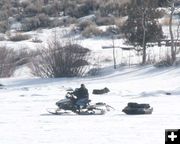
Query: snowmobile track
[{"x": 54, "y": 112}]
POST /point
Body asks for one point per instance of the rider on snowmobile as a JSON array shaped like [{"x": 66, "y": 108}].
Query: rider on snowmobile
[
  {"x": 79, "y": 103},
  {"x": 82, "y": 96}
]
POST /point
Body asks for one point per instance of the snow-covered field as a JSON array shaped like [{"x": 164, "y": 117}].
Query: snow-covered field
[
  {"x": 24, "y": 100},
  {"x": 24, "y": 119}
]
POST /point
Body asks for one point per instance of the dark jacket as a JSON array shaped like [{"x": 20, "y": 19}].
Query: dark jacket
[{"x": 81, "y": 93}]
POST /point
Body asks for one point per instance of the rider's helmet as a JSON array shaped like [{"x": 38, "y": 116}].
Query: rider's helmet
[{"x": 82, "y": 86}]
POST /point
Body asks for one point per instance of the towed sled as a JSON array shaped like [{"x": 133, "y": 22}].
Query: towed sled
[
  {"x": 135, "y": 109},
  {"x": 67, "y": 107}
]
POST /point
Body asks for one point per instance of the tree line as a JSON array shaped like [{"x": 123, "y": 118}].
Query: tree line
[{"x": 140, "y": 28}]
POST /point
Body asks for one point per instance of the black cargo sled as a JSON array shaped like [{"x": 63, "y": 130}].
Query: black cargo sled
[{"x": 135, "y": 109}]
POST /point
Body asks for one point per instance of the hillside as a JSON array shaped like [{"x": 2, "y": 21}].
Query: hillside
[{"x": 30, "y": 26}]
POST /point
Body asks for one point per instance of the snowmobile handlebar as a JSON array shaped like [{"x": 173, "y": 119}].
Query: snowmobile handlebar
[{"x": 70, "y": 95}]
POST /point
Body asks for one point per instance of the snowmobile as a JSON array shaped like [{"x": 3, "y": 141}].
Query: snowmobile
[{"x": 67, "y": 105}]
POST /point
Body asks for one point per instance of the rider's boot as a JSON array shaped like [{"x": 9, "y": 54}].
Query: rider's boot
[{"x": 78, "y": 109}]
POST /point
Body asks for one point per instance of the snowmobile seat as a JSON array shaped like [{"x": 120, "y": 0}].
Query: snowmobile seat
[{"x": 83, "y": 103}]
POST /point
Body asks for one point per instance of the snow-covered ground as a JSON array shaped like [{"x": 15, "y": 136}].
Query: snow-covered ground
[
  {"x": 24, "y": 98},
  {"x": 24, "y": 119}
]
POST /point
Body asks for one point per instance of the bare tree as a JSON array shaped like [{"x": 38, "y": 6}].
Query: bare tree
[
  {"x": 7, "y": 62},
  {"x": 177, "y": 37},
  {"x": 144, "y": 11},
  {"x": 173, "y": 45},
  {"x": 58, "y": 60},
  {"x": 172, "y": 9}
]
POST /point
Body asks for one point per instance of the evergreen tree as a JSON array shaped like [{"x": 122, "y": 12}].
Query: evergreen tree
[{"x": 142, "y": 25}]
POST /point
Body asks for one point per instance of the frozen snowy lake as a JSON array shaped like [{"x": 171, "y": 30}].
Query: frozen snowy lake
[{"x": 24, "y": 118}]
